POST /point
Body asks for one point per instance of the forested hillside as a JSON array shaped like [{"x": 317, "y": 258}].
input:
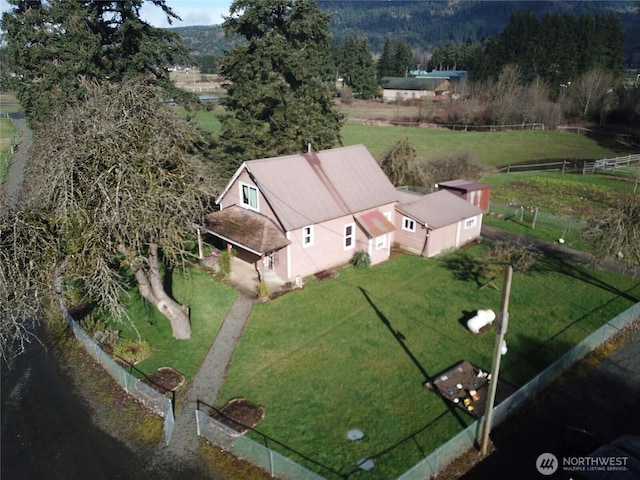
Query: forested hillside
[{"x": 426, "y": 25}]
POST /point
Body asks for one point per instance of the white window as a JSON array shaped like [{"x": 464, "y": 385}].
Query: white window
[
  {"x": 381, "y": 242},
  {"x": 471, "y": 222},
  {"x": 408, "y": 224},
  {"x": 349, "y": 236},
  {"x": 249, "y": 196},
  {"x": 307, "y": 236}
]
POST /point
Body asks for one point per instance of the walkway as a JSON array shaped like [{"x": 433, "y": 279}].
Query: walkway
[{"x": 208, "y": 381}]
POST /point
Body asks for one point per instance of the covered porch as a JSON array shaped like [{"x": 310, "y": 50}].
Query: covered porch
[{"x": 255, "y": 240}]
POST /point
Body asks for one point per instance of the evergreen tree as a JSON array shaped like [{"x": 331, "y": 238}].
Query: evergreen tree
[
  {"x": 383, "y": 66},
  {"x": 401, "y": 58},
  {"x": 54, "y": 44},
  {"x": 357, "y": 68},
  {"x": 280, "y": 80}
]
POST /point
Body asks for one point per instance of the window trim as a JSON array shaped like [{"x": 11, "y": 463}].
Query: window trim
[
  {"x": 248, "y": 205},
  {"x": 470, "y": 222},
  {"x": 405, "y": 224},
  {"x": 351, "y": 236},
  {"x": 310, "y": 236}
]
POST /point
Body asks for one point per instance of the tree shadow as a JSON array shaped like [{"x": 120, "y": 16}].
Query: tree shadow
[
  {"x": 554, "y": 261},
  {"x": 401, "y": 339},
  {"x": 464, "y": 268}
]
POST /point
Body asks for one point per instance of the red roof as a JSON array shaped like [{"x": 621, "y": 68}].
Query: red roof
[{"x": 374, "y": 223}]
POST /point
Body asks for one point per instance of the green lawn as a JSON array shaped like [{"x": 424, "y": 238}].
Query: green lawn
[
  {"x": 8, "y": 135},
  {"x": 495, "y": 149},
  {"x": 209, "y": 300},
  {"x": 354, "y": 352}
]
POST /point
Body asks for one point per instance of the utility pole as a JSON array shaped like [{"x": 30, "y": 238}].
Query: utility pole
[{"x": 501, "y": 329}]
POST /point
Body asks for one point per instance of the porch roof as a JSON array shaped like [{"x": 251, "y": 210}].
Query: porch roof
[
  {"x": 374, "y": 223},
  {"x": 247, "y": 229}
]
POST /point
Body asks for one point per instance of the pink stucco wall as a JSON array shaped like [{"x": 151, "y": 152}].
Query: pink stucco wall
[{"x": 439, "y": 240}]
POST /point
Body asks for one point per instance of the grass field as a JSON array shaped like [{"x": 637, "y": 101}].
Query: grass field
[
  {"x": 353, "y": 352},
  {"x": 495, "y": 149},
  {"x": 8, "y": 137}
]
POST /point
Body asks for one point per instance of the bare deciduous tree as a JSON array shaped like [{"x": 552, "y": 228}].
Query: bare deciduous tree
[
  {"x": 591, "y": 93},
  {"x": 616, "y": 234},
  {"x": 119, "y": 179},
  {"x": 462, "y": 164},
  {"x": 400, "y": 164},
  {"x": 24, "y": 283},
  {"x": 506, "y": 94},
  {"x": 491, "y": 265}
]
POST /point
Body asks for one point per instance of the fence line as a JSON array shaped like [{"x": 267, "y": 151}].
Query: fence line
[
  {"x": 246, "y": 448},
  {"x": 610, "y": 164},
  {"x": 281, "y": 467},
  {"x": 151, "y": 398},
  {"x": 466, "y": 439},
  {"x": 563, "y": 227}
]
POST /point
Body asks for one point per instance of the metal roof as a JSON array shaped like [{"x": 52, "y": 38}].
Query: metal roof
[
  {"x": 439, "y": 209},
  {"x": 463, "y": 185},
  {"x": 374, "y": 223},
  {"x": 414, "y": 83},
  {"x": 311, "y": 188}
]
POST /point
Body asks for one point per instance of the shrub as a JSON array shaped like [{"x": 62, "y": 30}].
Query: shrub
[
  {"x": 361, "y": 259},
  {"x": 262, "y": 290},
  {"x": 132, "y": 351},
  {"x": 225, "y": 262}
]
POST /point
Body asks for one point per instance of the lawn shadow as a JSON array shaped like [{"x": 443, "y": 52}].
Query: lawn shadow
[
  {"x": 535, "y": 356},
  {"x": 217, "y": 415},
  {"x": 553, "y": 261},
  {"x": 401, "y": 339},
  {"x": 464, "y": 268}
]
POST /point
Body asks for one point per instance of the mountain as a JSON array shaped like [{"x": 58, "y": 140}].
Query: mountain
[{"x": 428, "y": 24}]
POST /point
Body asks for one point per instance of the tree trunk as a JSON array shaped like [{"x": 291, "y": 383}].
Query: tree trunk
[{"x": 152, "y": 289}]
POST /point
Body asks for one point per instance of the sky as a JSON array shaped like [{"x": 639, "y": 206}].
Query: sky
[{"x": 192, "y": 12}]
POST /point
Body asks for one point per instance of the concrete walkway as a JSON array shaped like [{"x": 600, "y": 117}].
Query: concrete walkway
[{"x": 208, "y": 381}]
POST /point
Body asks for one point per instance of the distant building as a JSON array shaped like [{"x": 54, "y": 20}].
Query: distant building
[{"x": 413, "y": 88}]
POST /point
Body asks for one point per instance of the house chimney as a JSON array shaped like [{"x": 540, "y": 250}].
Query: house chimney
[{"x": 309, "y": 147}]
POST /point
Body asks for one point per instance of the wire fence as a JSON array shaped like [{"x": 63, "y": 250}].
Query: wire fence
[
  {"x": 261, "y": 455},
  {"x": 467, "y": 439},
  {"x": 561, "y": 228},
  {"x": 279, "y": 466},
  {"x": 150, "y": 397}
]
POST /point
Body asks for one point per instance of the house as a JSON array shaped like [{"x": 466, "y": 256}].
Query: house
[
  {"x": 475, "y": 193},
  {"x": 412, "y": 88},
  {"x": 434, "y": 223},
  {"x": 298, "y": 215}
]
